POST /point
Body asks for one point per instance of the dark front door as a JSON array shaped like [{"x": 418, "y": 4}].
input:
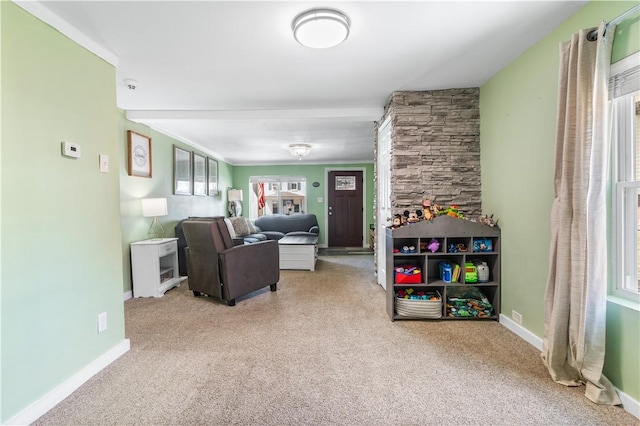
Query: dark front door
[{"x": 345, "y": 209}]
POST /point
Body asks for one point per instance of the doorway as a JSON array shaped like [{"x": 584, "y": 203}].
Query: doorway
[{"x": 345, "y": 208}]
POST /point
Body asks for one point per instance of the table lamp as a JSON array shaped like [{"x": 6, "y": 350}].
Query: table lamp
[
  {"x": 235, "y": 205},
  {"x": 155, "y": 207}
]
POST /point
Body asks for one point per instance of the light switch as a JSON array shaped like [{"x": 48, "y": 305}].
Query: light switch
[{"x": 104, "y": 163}]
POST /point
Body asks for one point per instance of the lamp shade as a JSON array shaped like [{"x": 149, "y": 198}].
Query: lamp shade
[
  {"x": 235, "y": 195},
  {"x": 154, "y": 207}
]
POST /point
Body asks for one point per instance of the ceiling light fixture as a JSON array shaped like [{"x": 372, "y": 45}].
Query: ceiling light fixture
[
  {"x": 300, "y": 150},
  {"x": 321, "y": 28}
]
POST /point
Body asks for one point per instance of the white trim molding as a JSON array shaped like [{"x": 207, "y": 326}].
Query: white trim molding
[
  {"x": 522, "y": 332},
  {"x": 629, "y": 404},
  {"x": 34, "y": 411},
  {"x": 45, "y": 14}
]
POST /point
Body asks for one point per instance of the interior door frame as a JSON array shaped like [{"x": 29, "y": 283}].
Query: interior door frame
[
  {"x": 327, "y": 170},
  {"x": 383, "y": 198}
]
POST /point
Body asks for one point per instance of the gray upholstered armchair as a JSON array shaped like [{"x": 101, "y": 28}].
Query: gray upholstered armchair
[{"x": 218, "y": 268}]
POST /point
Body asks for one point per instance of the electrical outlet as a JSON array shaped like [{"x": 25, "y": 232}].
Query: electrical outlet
[
  {"x": 516, "y": 317},
  {"x": 102, "y": 322}
]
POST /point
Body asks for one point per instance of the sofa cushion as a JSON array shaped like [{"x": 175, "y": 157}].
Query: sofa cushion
[
  {"x": 240, "y": 226},
  {"x": 254, "y": 238},
  {"x": 232, "y": 231},
  {"x": 252, "y": 228},
  {"x": 272, "y": 235}
]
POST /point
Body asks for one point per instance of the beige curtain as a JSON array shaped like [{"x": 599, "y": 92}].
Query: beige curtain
[{"x": 575, "y": 298}]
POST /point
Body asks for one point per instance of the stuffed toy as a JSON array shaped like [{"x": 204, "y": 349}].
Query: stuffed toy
[
  {"x": 434, "y": 245},
  {"x": 398, "y": 221},
  {"x": 487, "y": 220},
  {"x": 452, "y": 211},
  {"x": 427, "y": 213},
  {"x": 412, "y": 217}
]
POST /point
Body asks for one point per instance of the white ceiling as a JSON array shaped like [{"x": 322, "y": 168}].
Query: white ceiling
[{"x": 228, "y": 77}]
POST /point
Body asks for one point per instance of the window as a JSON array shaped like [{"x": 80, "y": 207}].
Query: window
[
  {"x": 625, "y": 93},
  {"x": 280, "y": 195}
]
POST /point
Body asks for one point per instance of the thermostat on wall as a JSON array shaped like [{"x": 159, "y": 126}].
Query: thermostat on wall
[{"x": 70, "y": 150}]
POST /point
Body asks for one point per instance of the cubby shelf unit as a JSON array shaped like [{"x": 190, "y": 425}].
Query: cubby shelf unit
[{"x": 448, "y": 232}]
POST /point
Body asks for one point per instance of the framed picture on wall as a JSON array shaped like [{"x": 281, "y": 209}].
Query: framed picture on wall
[
  {"x": 199, "y": 174},
  {"x": 212, "y": 178},
  {"x": 139, "y": 154},
  {"x": 181, "y": 171}
]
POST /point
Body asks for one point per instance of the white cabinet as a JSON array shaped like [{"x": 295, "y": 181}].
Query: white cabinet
[{"x": 155, "y": 267}]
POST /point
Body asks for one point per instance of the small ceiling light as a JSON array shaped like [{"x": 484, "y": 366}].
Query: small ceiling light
[
  {"x": 300, "y": 150},
  {"x": 321, "y": 28}
]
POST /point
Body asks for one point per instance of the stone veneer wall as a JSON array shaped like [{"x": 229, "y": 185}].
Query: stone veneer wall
[{"x": 435, "y": 149}]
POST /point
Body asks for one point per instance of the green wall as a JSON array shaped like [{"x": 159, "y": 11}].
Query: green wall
[
  {"x": 133, "y": 189},
  {"x": 61, "y": 262},
  {"x": 313, "y": 173},
  {"x": 517, "y": 136}
]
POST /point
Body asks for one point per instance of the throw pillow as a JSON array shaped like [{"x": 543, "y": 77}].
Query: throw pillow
[
  {"x": 232, "y": 232},
  {"x": 252, "y": 227},
  {"x": 240, "y": 226}
]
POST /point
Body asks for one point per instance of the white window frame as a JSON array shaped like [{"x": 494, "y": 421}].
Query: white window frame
[
  {"x": 279, "y": 183},
  {"x": 625, "y": 185}
]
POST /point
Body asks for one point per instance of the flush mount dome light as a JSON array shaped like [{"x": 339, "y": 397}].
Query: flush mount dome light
[
  {"x": 300, "y": 150},
  {"x": 321, "y": 28}
]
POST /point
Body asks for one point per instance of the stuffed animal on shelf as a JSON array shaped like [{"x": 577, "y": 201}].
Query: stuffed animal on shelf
[
  {"x": 427, "y": 213},
  {"x": 412, "y": 217},
  {"x": 434, "y": 245},
  {"x": 487, "y": 220},
  {"x": 452, "y": 211},
  {"x": 398, "y": 221}
]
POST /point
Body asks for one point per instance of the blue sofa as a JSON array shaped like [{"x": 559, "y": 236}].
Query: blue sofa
[{"x": 275, "y": 227}]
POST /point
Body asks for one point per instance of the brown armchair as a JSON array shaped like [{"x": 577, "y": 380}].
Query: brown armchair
[{"x": 218, "y": 268}]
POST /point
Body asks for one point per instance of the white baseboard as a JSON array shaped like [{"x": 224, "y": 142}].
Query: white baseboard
[
  {"x": 34, "y": 411},
  {"x": 521, "y": 331},
  {"x": 128, "y": 295},
  {"x": 629, "y": 404}
]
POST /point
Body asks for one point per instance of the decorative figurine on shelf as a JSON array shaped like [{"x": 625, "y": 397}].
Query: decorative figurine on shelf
[{"x": 434, "y": 245}]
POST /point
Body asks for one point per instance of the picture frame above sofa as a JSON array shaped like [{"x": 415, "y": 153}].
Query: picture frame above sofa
[
  {"x": 212, "y": 177},
  {"x": 199, "y": 175},
  {"x": 182, "y": 171}
]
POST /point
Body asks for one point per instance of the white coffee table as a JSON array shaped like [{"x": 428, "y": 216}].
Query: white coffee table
[{"x": 298, "y": 252}]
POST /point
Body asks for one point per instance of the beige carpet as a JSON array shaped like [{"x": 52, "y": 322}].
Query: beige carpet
[{"x": 320, "y": 351}]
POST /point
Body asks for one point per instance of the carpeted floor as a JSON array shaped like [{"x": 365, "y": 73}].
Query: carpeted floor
[{"x": 320, "y": 351}]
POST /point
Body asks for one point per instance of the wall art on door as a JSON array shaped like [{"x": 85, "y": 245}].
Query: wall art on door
[
  {"x": 139, "y": 154},
  {"x": 181, "y": 171},
  {"x": 345, "y": 183}
]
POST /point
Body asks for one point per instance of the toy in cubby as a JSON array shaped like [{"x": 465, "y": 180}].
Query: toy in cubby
[
  {"x": 411, "y": 294},
  {"x": 407, "y": 274},
  {"x": 482, "y": 245}
]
